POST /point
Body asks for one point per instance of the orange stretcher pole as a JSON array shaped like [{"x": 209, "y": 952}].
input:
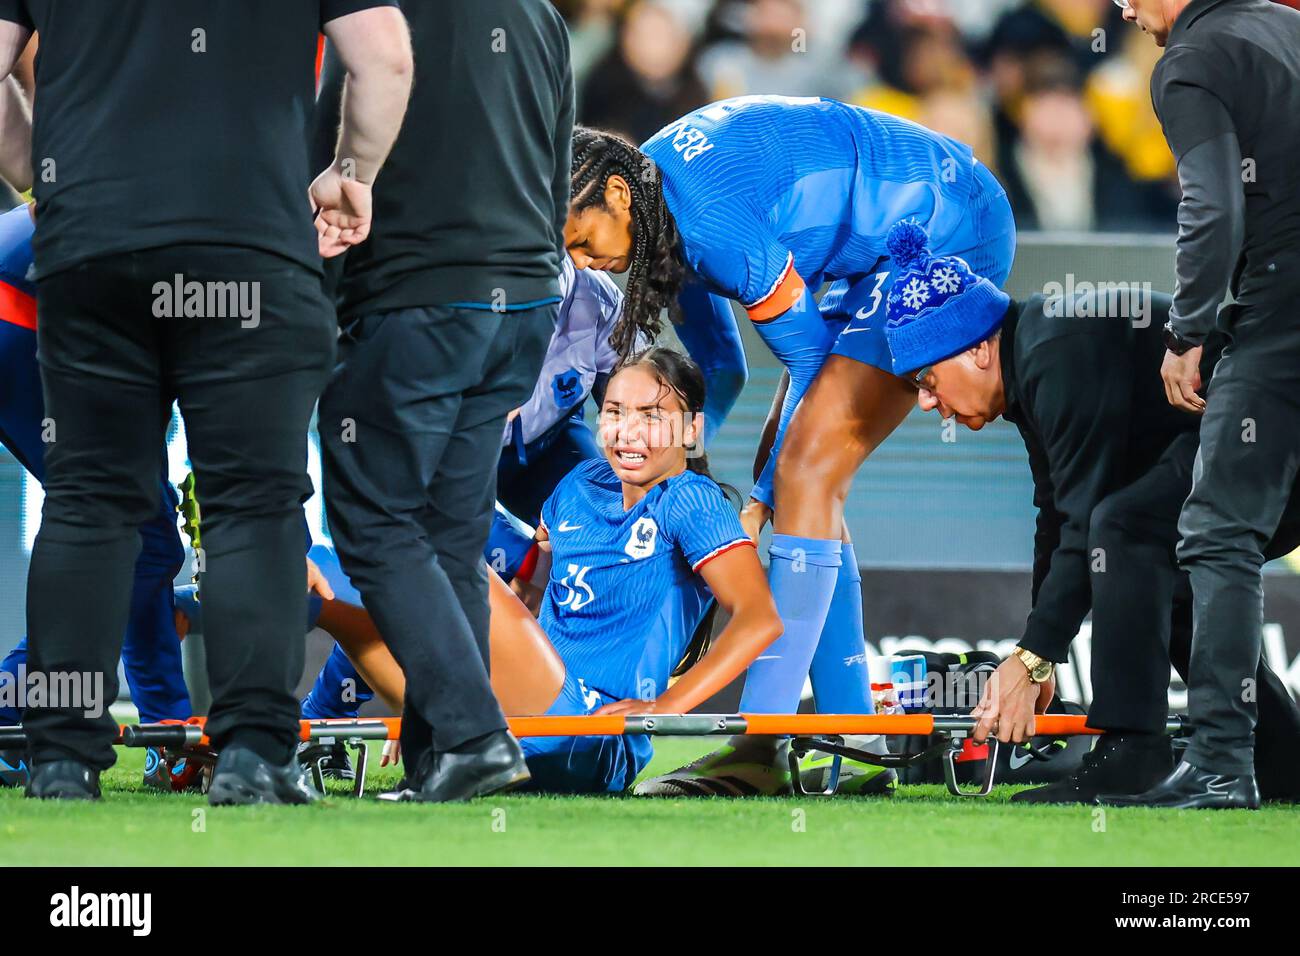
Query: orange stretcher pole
[{"x": 190, "y": 733}]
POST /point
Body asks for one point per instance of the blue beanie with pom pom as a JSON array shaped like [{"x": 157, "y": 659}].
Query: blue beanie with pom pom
[{"x": 937, "y": 307}]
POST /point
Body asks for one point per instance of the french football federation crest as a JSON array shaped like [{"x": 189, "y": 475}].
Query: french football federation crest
[
  {"x": 641, "y": 542},
  {"x": 567, "y": 388}
]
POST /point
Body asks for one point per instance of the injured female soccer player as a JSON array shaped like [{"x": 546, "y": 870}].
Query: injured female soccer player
[{"x": 642, "y": 543}]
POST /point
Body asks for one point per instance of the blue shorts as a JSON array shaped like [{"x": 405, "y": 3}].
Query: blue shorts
[
  {"x": 986, "y": 239},
  {"x": 583, "y": 764}
]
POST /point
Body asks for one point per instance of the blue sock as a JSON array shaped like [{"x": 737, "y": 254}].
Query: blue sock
[
  {"x": 841, "y": 681},
  {"x": 338, "y": 692},
  {"x": 802, "y": 573}
]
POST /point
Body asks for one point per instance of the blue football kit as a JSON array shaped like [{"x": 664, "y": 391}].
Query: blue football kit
[{"x": 622, "y": 604}]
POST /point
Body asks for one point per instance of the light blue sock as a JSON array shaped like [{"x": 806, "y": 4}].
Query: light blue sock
[
  {"x": 841, "y": 681},
  {"x": 802, "y": 573}
]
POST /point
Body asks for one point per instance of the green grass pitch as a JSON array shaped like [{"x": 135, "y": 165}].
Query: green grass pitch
[{"x": 921, "y": 826}]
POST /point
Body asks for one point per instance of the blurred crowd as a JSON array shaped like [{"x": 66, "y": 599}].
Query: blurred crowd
[{"x": 1053, "y": 95}]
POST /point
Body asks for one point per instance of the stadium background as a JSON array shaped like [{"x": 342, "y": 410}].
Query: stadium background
[{"x": 1053, "y": 96}]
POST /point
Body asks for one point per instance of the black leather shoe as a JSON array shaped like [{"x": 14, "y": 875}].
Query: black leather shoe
[
  {"x": 1191, "y": 788},
  {"x": 63, "y": 780},
  {"x": 1119, "y": 763},
  {"x": 492, "y": 763},
  {"x": 242, "y": 777}
]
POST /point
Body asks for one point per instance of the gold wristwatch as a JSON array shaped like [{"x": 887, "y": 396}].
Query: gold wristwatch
[{"x": 1040, "y": 669}]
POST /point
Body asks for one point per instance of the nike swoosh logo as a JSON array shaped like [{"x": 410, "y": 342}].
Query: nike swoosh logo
[
  {"x": 864, "y": 313},
  {"x": 565, "y": 526},
  {"x": 1019, "y": 757}
]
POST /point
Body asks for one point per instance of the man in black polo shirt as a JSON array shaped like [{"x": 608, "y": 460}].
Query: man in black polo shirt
[
  {"x": 1227, "y": 92},
  {"x": 446, "y": 315},
  {"x": 1111, "y": 462},
  {"x": 176, "y": 260}
]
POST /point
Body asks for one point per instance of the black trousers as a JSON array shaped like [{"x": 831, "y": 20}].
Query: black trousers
[
  {"x": 112, "y": 363},
  {"x": 411, "y": 428},
  {"x": 1142, "y": 616},
  {"x": 1241, "y": 486}
]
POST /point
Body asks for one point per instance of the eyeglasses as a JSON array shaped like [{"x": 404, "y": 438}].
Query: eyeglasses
[
  {"x": 919, "y": 377},
  {"x": 1123, "y": 4}
]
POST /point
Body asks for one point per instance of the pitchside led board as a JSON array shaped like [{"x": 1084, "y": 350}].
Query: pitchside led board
[{"x": 938, "y": 576}]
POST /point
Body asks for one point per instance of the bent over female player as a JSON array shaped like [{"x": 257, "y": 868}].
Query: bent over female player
[{"x": 761, "y": 200}]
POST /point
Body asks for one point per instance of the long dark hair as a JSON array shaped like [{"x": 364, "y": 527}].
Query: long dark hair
[
  {"x": 656, "y": 273},
  {"x": 685, "y": 379}
]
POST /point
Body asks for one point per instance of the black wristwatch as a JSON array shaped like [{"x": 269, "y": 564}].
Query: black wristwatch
[{"x": 1175, "y": 342}]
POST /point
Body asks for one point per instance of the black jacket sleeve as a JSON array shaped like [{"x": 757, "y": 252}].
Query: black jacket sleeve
[
  {"x": 1211, "y": 216},
  {"x": 1077, "y": 393},
  {"x": 1211, "y": 225}
]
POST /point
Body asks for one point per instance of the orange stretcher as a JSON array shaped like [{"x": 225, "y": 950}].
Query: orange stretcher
[{"x": 821, "y": 732}]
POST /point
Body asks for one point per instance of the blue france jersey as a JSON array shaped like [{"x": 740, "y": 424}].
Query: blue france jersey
[
  {"x": 760, "y": 185},
  {"x": 624, "y": 597}
]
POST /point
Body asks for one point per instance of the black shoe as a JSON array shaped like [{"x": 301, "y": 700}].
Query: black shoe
[
  {"x": 242, "y": 777},
  {"x": 63, "y": 780},
  {"x": 1119, "y": 763},
  {"x": 1191, "y": 788},
  {"x": 13, "y": 768},
  {"x": 492, "y": 763}
]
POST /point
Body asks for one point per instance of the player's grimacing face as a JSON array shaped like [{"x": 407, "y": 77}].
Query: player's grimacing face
[
  {"x": 644, "y": 428},
  {"x": 600, "y": 236}
]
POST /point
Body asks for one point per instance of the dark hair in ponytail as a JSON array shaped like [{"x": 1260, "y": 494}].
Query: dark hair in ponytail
[
  {"x": 685, "y": 379},
  {"x": 656, "y": 273}
]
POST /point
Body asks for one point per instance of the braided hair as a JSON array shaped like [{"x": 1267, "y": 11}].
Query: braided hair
[{"x": 656, "y": 273}]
